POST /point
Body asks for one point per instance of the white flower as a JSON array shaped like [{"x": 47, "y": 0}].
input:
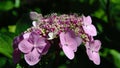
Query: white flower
[{"x": 51, "y": 36}]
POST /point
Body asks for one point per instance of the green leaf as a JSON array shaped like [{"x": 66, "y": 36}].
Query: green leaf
[
  {"x": 62, "y": 66},
  {"x": 12, "y": 28},
  {"x": 116, "y": 57},
  {"x": 17, "y": 3},
  {"x": 91, "y": 2},
  {"x": 100, "y": 14},
  {"x": 38, "y": 10},
  {"x": 3, "y": 29},
  {"x": 6, "y": 5},
  {"x": 62, "y": 53},
  {"x": 23, "y": 24},
  {"x": 112, "y": 56},
  {"x": 2, "y": 61},
  {"x": 18, "y": 66},
  {"x": 115, "y": 1},
  {"x": 6, "y": 40},
  {"x": 100, "y": 28}
]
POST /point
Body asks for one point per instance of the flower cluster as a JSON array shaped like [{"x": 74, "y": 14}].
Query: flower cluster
[{"x": 72, "y": 30}]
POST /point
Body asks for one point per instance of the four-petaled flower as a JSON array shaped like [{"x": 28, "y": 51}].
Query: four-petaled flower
[
  {"x": 69, "y": 43},
  {"x": 33, "y": 46},
  {"x": 88, "y": 27},
  {"x": 92, "y": 49}
]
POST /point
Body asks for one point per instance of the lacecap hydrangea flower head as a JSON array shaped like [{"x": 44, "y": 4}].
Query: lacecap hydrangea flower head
[{"x": 72, "y": 30}]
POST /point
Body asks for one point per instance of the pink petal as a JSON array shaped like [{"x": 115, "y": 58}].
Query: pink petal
[
  {"x": 89, "y": 53},
  {"x": 40, "y": 44},
  {"x": 62, "y": 38},
  {"x": 91, "y": 38},
  {"x": 79, "y": 41},
  {"x": 90, "y": 30},
  {"x": 92, "y": 55},
  {"x": 26, "y": 35},
  {"x": 35, "y": 16},
  {"x": 24, "y": 46},
  {"x": 96, "y": 58},
  {"x": 72, "y": 44},
  {"x": 87, "y": 20},
  {"x": 32, "y": 58},
  {"x": 68, "y": 52},
  {"x": 33, "y": 37},
  {"x": 88, "y": 50},
  {"x": 87, "y": 45},
  {"x": 45, "y": 50},
  {"x": 95, "y": 45},
  {"x": 70, "y": 39}
]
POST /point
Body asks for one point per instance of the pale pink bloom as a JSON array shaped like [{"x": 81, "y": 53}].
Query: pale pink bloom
[
  {"x": 88, "y": 27},
  {"x": 69, "y": 43},
  {"x": 92, "y": 49},
  {"x": 33, "y": 47}
]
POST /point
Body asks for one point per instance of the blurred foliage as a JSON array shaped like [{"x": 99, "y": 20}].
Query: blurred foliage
[
  {"x": 6, "y": 44},
  {"x": 6, "y": 5},
  {"x": 14, "y": 19}
]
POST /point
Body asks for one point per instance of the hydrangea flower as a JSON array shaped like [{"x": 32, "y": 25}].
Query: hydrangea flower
[
  {"x": 72, "y": 30},
  {"x": 92, "y": 49},
  {"x": 69, "y": 43},
  {"x": 33, "y": 47},
  {"x": 88, "y": 27}
]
